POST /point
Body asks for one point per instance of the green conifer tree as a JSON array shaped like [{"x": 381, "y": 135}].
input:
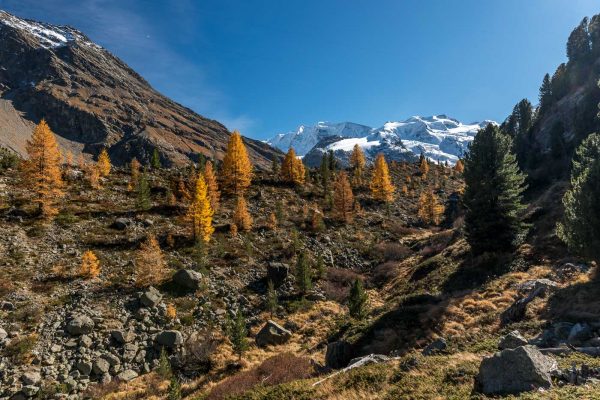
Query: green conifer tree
[
  {"x": 493, "y": 194},
  {"x": 303, "y": 273},
  {"x": 238, "y": 333},
  {"x": 155, "y": 160},
  {"x": 143, "y": 193},
  {"x": 545, "y": 97},
  {"x": 271, "y": 298},
  {"x": 580, "y": 228},
  {"x": 174, "y": 389},
  {"x": 357, "y": 302}
]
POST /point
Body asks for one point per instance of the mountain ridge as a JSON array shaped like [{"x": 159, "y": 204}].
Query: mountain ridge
[
  {"x": 438, "y": 137},
  {"x": 92, "y": 100}
]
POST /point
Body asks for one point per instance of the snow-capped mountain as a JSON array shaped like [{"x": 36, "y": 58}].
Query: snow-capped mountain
[{"x": 439, "y": 138}]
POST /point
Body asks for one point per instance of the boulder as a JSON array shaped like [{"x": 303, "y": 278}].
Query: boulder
[
  {"x": 151, "y": 297},
  {"x": 3, "y": 334},
  {"x": 122, "y": 336},
  {"x": 188, "y": 279},
  {"x": 272, "y": 334},
  {"x": 512, "y": 340},
  {"x": 100, "y": 367},
  {"x": 31, "y": 378},
  {"x": 435, "y": 347},
  {"x": 277, "y": 273},
  {"x": 120, "y": 224},
  {"x": 579, "y": 334},
  {"x": 30, "y": 390},
  {"x": 338, "y": 354},
  {"x": 513, "y": 371},
  {"x": 127, "y": 375},
  {"x": 85, "y": 367},
  {"x": 170, "y": 339},
  {"x": 80, "y": 325}
]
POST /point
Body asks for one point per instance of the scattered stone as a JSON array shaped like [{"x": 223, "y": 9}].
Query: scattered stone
[
  {"x": 579, "y": 333},
  {"x": 7, "y": 306},
  {"x": 272, "y": 334},
  {"x": 188, "y": 279},
  {"x": 512, "y": 340},
  {"x": 3, "y": 334},
  {"x": 79, "y": 325},
  {"x": 170, "y": 339},
  {"x": 127, "y": 375},
  {"x": 84, "y": 367},
  {"x": 277, "y": 273},
  {"x": 435, "y": 347},
  {"x": 338, "y": 354},
  {"x": 151, "y": 297},
  {"x": 513, "y": 371},
  {"x": 30, "y": 390},
  {"x": 85, "y": 341}
]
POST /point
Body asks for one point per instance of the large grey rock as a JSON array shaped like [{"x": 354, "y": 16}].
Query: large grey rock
[
  {"x": 123, "y": 336},
  {"x": 80, "y": 324},
  {"x": 85, "y": 367},
  {"x": 338, "y": 354},
  {"x": 435, "y": 347},
  {"x": 272, "y": 334},
  {"x": 3, "y": 334},
  {"x": 579, "y": 334},
  {"x": 170, "y": 339},
  {"x": 30, "y": 390},
  {"x": 127, "y": 375},
  {"x": 277, "y": 273},
  {"x": 513, "y": 371},
  {"x": 120, "y": 224},
  {"x": 100, "y": 367},
  {"x": 150, "y": 297},
  {"x": 512, "y": 340},
  {"x": 188, "y": 279},
  {"x": 31, "y": 378}
]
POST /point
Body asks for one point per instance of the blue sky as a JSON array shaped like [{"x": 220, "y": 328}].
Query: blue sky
[{"x": 266, "y": 66}]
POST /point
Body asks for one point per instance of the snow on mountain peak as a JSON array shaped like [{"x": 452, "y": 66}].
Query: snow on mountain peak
[
  {"x": 438, "y": 137},
  {"x": 48, "y": 36}
]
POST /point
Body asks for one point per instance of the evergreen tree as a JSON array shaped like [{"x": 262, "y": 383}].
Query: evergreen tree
[
  {"x": 303, "y": 274},
  {"x": 275, "y": 167},
  {"x": 174, "y": 389},
  {"x": 236, "y": 173},
  {"x": 155, "y": 160},
  {"x": 271, "y": 298},
  {"x": 212, "y": 186},
  {"x": 320, "y": 268},
  {"x": 493, "y": 194},
  {"x": 560, "y": 82},
  {"x": 357, "y": 302},
  {"x": 557, "y": 141},
  {"x": 200, "y": 213},
  {"x": 41, "y": 172},
  {"x": 103, "y": 164},
  {"x": 143, "y": 193},
  {"x": 241, "y": 217},
  {"x": 545, "y": 97},
  {"x": 164, "y": 365},
  {"x": 578, "y": 45},
  {"x": 238, "y": 333},
  {"x": 202, "y": 162},
  {"x": 594, "y": 32},
  {"x": 381, "y": 185},
  {"x": 343, "y": 200},
  {"x": 332, "y": 161},
  {"x": 580, "y": 228}
]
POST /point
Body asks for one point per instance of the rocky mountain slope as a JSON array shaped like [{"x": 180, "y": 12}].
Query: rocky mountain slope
[
  {"x": 91, "y": 99},
  {"x": 439, "y": 137}
]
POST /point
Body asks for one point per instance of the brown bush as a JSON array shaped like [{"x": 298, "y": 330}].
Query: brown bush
[
  {"x": 276, "y": 370},
  {"x": 338, "y": 282},
  {"x": 400, "y": 230},
  {"x": 393, "y": 251},
  {"x": 384, "y": 273},
  {"x": 199, "y": 350}
]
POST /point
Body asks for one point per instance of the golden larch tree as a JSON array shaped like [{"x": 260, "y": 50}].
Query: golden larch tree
[
  {"x": 69, "y": 159},
  {"x": 357, "y": 162},
  {"x": 241, "y": 217},
  {"x": 103, "y": 163},
  {"x": 381, "y": 184},
  {"x": 200, "y": 212},
  {"x": 41, "y": 172},
  {"x": 150, "y": 266},
  {"x": 134, "y": 166},
  {"x": 90, "y": 265},
  {"x": 272, "y": 222},
  {"x": 81, "y": 161},
  {"x": 423, "y": 166},
  {"x": 292, "y": 168},
  {"x": 237, "y": 169},
  {"x": 93, "y": 173},
  {"x": 343, "y": 199},
  {"x": 212, "y": 186},
  {"x": 430, "y": 209},
  {"x": 459, "y": 167}
]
